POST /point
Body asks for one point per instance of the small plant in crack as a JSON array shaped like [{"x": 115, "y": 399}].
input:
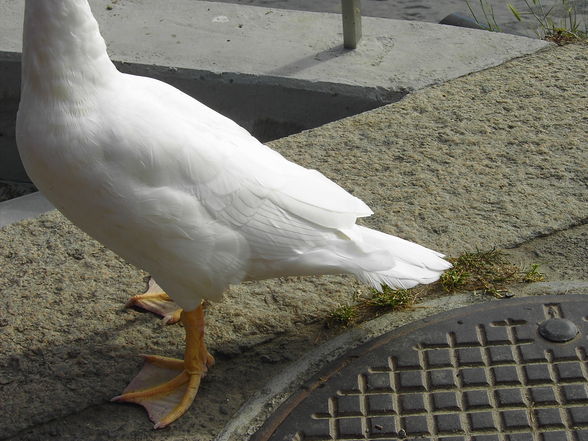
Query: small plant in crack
[{"x": 489, "y": 272}]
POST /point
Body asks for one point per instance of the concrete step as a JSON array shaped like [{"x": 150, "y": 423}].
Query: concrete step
[{"x": 24, "y": 207}]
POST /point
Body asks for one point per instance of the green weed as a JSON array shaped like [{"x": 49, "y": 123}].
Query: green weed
[
  {"x": 390, "y": 299},
  {"x": 486, "y": 271},
  {"x": 489, "y": 21},
  {"x": 489, "y": 272},
  {"x": 533, "y": 275},
  {"x": 343, "y": 316},
  {"x": 566, "y": 29},
  {"x": 367, "y": 307}
]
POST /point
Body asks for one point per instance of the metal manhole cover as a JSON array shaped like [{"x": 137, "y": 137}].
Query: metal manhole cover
[{"x": 482, "y": 373}]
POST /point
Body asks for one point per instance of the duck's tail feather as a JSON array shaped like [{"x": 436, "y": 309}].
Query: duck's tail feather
[{"x": 409, "y": 265}]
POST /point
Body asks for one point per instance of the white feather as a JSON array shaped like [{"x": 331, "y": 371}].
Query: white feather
[{"x": 176, "y": 188}]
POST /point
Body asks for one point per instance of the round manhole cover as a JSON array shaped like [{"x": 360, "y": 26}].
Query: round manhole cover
[{"x": 480, "y": 373}]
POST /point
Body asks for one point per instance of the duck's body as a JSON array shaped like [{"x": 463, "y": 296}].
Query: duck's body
[{"x": 176, "y": 188}]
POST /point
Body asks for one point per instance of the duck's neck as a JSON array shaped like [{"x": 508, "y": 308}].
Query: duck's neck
[{"x": 63, "y": 51}]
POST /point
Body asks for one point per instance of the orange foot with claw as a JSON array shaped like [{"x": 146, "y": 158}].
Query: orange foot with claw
[{"x": 167, "y": 401}]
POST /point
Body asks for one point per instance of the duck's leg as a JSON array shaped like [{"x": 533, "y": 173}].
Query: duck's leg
[
  {"x": 167, "y": 401},
  {"x": 155, "y": 300}
]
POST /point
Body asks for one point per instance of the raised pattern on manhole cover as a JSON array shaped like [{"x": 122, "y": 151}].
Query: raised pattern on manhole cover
[{"x": 481, "y": 373}]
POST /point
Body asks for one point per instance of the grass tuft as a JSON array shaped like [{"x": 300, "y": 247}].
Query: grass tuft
[
  {"x": 482, "y": 271},
  {"x": 342, "y": 316},
  {"x": 390, "y": 299},
  {"x": 567, "y": 29},
  {"x": 376, "y": 304},
  {"x": 489, "y": 21},
  {"x": 477, "y": 271},
  {"x": 533, "y": 275},
  {"x": 486, "y": 271}
]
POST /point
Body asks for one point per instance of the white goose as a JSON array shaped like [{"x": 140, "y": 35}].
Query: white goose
[{"x": 181, "y": 191}]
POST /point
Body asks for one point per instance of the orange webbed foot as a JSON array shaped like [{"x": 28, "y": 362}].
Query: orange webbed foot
[{"x": 165, "y": 386}]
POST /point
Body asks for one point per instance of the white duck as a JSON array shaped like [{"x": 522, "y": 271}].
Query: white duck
[{"x": 181, "y": 191}]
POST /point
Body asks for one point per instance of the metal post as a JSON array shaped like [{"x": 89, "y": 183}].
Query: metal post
[{"x": 351, "y": 23}]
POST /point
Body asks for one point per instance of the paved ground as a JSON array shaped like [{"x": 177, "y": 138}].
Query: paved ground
[{"x": 494, "y": 159}]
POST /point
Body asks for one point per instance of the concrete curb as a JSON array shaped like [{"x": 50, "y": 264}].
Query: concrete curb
[{"x": 24, "y": 207}]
